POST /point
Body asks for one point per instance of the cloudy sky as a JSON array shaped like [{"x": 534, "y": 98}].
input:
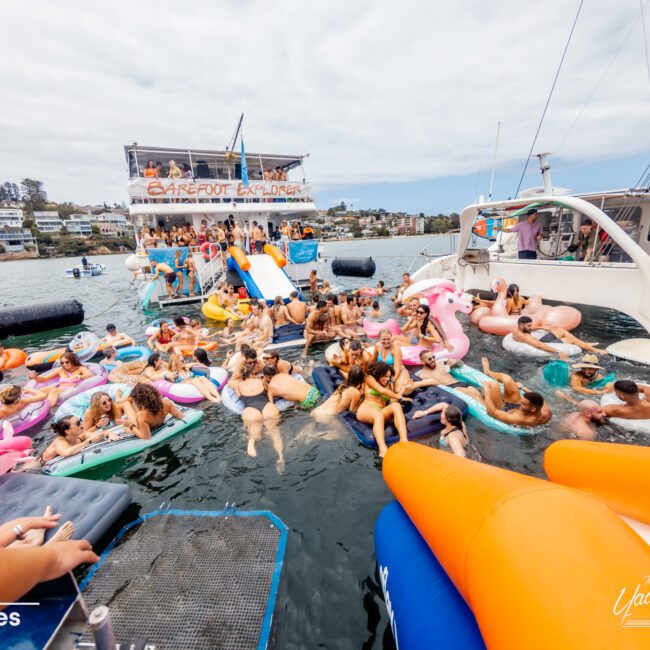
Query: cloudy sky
[{"x": 396, "y": 102}]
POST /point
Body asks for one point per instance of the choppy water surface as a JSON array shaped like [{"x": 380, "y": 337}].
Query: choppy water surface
[{"x": 331, "y": 490}]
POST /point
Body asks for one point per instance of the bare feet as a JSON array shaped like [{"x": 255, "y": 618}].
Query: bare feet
[
  {"x": 251, "y": 451},
  {"x": 65, "y": 532},
  {"x": 279, "y": 465},
  {"x": 382, "y": 451}
]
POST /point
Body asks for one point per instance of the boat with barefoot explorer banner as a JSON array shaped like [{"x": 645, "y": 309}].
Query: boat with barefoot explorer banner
[
  {"x": 589, "y": 249},
  {"x": 203, "y": 218}
]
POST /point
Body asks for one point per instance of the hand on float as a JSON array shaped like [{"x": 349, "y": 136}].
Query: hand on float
[
  {"x": 563, "y": 356},
  {"x": 68, "y": 555},
  {"x": 419, "y": 414},
  {"x": 448, "y": 346},
  {"x": 113, "y": 437}
]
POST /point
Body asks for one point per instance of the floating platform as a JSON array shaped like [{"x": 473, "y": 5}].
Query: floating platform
[
  {"x": 187, "y": 300},
  {"x": 191, "y": 579}
]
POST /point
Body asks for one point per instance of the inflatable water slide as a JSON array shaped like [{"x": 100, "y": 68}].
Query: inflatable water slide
[{"x": 263, "y": 275}]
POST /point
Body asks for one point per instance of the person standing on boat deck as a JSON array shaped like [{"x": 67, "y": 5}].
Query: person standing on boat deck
[
  {"x": 586, "y": 241},
  {"x": 169, "y": 274},
  {"x": 259, "y": 238},
  {"x": 528, "y": 233},
  {"x": 179, "y": 266},
  {"x": 239, "y": 237},
  {"x": 84, "y": 262}
]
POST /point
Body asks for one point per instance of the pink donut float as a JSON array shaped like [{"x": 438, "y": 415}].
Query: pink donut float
[
  {"x": 496, "y": 320},
  {"x": 99, "y": 377},
  {"x": 372, "y": 328}
]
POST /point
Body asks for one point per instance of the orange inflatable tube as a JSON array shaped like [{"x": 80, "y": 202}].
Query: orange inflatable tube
[
  {"x": 240, "y": 257},
  {"x": 12, "y": 358},
  {"x": 188, "y": 350},
  {"x": 541, "y": 565},
  {"x": 276, "y": 254},
  {"x": 617, "y": 474}
]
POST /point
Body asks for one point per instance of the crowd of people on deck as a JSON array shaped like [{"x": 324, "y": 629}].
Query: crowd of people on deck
[
  {"x": 174, "y": 171},
  {"x": 230, "y": 232}
]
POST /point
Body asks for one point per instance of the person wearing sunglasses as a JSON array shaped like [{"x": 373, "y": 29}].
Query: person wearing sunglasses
[
  {"x": 272, "y": 358},
  {"x": 71, "y": 438},
  {"x": 105, "y": 412},
  {"x": 71, "y": 372},
  {"x": 439, "y": 372}
]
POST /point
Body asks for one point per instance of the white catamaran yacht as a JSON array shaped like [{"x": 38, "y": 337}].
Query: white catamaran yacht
[
  {"x": 211, "y": 190},
  {"x": 616, "y": 275}
]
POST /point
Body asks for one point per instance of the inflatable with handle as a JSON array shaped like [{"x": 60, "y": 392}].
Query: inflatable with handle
[
  {"x": 640, "y": 426},
  {"x": 99, "y": 377},
  {"x": 541, "y": 565},
  {"x": 517, "y": 347},
  {"x": 276, "y": 254},
  {"x": 29, "y": 416},
  {"x": 185, "y": 393},
  {"x": 372, "y": 328},
  {"x": 78, "y": 404},
  {"x": 240, "y": 258},
  {"x": 10, "y": 442}
]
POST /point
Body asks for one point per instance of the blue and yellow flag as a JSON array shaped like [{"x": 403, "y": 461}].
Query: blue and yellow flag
[{"x": 244, "y": 166}]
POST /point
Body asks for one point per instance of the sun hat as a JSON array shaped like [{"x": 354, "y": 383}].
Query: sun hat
[{"x": 588, "y": 361}]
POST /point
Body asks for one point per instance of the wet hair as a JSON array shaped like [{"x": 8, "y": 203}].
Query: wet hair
[
  {"x": 378, "y": 369},
  {"x": 147, "y": 397},
  {"x": 269, "y": 371},
  {"x": 10, "y": 394},
  {"x": 513, "y": 288},
  {"x": 454, "y": 416},
  {"x": 72, "y": 358},
  {"x": 244, "y": 347},
  {"x": 350, "y": 299},
  {"x": 333, "y": 298},
  {"x": 375, "y": 305},
  {"x": 274, "y": 354},
  {"x": 355, "y": 345},
  {"x": 110, "y": 327},
  {"x": 320, "y": 304},
  {"x": 380, "y": 283},
  {"x": 355, "y": 379},
  {"x": 151, "y": 361},
  {"x": 179, "y": 321},
  {"x": 202, "y": 356},
  {"x": 524, "y": 320},
  {"x": 109, "y": 352},
  {"x": 246, "y": 372},
  {"x": 626, "y": 386},
  {"x": 62, "y": 426},
  {"x": 251, "y": 353},
  {"x": 534, "y": 398}
]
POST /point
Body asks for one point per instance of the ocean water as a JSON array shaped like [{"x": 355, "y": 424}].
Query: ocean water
[{"x": 331, "y": 490}]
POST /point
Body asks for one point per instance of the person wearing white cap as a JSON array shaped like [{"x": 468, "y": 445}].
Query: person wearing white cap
[{"x": 588, "y": 372}]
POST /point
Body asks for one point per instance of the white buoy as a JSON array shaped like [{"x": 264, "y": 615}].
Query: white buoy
[
  {"x": 637, "y": 350},
  {"x": 132, "y": 263}
]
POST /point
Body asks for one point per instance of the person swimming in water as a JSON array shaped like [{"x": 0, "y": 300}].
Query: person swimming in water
[
  {"x": 280, "y": 385},
  {"x": 636, "y": 398},
  {"x": 454, "y": 432},
  {"x": 580, "y": 423},
  {"x": 587, "y": 372},
  {"x": 346, "y": 397}
]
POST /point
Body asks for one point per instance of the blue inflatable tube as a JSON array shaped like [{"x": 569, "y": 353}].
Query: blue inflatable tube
[
  {"x": 130, "y": 353},
  {"x": 425, "y": 609}
]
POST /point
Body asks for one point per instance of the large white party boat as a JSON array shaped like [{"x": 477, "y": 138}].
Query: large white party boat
[{"x": 216, "y": 187}]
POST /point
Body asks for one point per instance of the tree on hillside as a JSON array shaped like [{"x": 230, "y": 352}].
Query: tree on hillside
[
  {"x": 34, "y": 195},
  {"x": 65, "y": 210},
  {"x": 9, "y": 192}
]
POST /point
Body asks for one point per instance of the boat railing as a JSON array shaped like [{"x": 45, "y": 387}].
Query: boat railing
[
  {"x": 452, "y": 236},
  {"x": 211, "y": 274}
]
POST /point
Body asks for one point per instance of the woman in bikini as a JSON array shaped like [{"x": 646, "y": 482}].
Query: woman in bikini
[
  {"x": 105, "y": 412},
  {"x": 182, "y": 374},
  {"x": 179, "y": 267},
  {"x": 454, "y": 433},
  {"x": 71, "y": 438},
  {"x": 151, "y": 409},
  {"x": 190, "y": 266},
  {"x": 515, "y": 302},
  {"x": 162, "y": 339},
  {"x": 14, "y": 399},
  {"x": 346, "y": 397},
  {"x": 381, "y": 405},
  {"x": 71, "y": 372},
  {"x": 259, "y": 412}
]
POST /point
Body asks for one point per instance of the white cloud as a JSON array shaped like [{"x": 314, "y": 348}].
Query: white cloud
[{"x": 375, "y": 91}]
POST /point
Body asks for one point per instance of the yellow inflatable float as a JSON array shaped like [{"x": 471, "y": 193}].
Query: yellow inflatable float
[
  {"x": 541, "y": 565},
  {"x": 214, "y": 311}
]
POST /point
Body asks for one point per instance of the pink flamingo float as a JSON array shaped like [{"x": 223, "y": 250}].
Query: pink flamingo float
[
  {"x": 496, "y": 320},
  {"x": 444, "y": 303}
]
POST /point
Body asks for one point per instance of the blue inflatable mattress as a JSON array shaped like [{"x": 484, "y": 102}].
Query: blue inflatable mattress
[
  {"x": 327, "y": 378},
  {"x": 92, "y": 506},
  {"x": 288, "y": 332}
]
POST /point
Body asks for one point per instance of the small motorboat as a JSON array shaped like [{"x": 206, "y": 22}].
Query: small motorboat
[{"x": 88, "y": 271}]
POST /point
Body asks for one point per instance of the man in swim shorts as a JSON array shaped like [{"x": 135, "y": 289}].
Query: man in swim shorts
[
  {"x": 168, "y": 273},
  {"x": 283, "y": 386},
  {"x": 523, "y": 334},
  {"x": 439, "y": 371},
  {"x": 636, "y": 398}
]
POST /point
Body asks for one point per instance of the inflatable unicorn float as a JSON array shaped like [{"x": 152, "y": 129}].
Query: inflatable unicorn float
[
  {"x": 496, "y": 320},
  {"x": 444, "y": 300}
]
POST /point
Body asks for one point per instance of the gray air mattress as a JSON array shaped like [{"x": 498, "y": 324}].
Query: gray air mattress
[{"x": 92, "y": 506}]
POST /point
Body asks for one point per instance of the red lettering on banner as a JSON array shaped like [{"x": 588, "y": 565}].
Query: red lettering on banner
[{"x": 155, "y": 188}]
